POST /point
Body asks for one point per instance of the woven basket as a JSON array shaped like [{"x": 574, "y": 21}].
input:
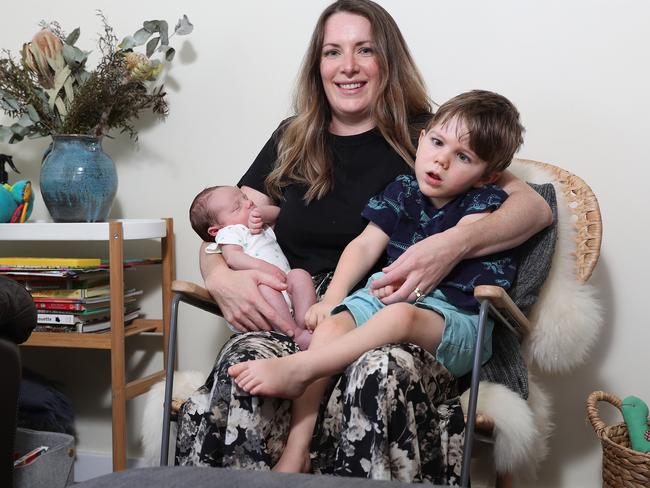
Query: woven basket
[{"x": 622, "y": 466}]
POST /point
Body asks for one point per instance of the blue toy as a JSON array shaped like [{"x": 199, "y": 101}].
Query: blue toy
[
  {"x": 17, "y": 200},
  {"x": 635, "y": 414}
]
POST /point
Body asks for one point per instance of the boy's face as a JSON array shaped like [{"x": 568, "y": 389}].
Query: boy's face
[
  {"x": 231, "y": 206},
  {"x": 445, "y": 166}
]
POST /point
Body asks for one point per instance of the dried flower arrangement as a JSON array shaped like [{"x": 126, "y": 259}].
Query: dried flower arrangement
[{"x": 51, "y": 92}]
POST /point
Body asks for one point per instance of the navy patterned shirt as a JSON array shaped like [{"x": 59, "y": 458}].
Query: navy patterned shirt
[{"x": 407, "y": 217}]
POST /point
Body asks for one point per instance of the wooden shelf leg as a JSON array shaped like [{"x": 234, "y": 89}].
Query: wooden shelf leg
[
  {"x": 118, "y": 369},
  {"x": 168, "y": 275}
]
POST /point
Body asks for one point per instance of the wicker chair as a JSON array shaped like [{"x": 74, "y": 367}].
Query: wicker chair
[{"x": 583, "y": 209}]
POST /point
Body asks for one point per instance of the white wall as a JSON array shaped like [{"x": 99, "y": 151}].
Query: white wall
[{"x": 578, "y": 71}]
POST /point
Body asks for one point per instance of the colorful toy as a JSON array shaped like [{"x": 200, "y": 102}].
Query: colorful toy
[
  {"x": 635, "y": 414},
  {"x": 17, "y": 200}
]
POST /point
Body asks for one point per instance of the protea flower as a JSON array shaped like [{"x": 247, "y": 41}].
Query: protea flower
[
  {"x": 140, "y": 68},
  {"x": 43, "y": 56}
]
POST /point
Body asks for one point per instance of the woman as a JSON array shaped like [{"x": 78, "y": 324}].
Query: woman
[{"x": 394, "y": 412}]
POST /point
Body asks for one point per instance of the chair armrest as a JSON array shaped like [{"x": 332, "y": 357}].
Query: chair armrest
[
  {"x": 195, "y": 295},
  {"x": 505, "y": 307},
  {"x": 191, "y": 289}
]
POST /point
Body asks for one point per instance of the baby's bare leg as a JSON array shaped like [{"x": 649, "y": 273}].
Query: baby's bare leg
[
  {"x": 300, "y": 288},
  {"x": 303, "y": 295},
  {"x": 287, "y": 377},
  {"x": 276, "y": 300}
]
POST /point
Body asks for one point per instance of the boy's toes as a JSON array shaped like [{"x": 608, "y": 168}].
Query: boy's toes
[
  {"x": 236, "y": 369},
  {"x": 256, "y": 388}
]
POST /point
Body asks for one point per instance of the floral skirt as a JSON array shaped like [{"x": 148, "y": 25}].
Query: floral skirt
[{"x": 393, "y": 414}]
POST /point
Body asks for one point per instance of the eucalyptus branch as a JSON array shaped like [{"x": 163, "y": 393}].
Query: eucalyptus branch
[{"x": 51, "y": 92}]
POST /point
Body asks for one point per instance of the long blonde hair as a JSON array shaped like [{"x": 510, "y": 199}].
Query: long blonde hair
[{"x": 303, "y": 153}]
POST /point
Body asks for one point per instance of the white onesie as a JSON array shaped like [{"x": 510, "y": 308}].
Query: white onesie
[{"x": 262, "y": 246}]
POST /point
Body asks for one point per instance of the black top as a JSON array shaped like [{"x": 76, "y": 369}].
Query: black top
[{"x": 313, "y": 236}]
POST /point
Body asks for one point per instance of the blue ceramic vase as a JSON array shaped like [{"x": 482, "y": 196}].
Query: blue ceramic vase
[{"x": 78, "y": 179}]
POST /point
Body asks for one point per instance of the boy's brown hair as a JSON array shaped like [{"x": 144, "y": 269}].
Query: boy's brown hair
[
  {"x": 201, "y": 217},
  {"x": 492, "y": 123}
]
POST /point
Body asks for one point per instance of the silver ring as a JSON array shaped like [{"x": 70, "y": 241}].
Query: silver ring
[{"x": 418, "y": 293}]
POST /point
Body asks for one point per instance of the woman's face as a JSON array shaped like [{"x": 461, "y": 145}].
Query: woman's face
[{"x": 350, "y": 72}]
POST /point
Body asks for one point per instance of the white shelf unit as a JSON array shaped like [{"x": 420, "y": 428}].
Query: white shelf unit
[{"x": 114, "y": 233}]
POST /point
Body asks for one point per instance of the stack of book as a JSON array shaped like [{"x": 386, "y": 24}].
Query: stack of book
[{"x": 71, "y": 294}]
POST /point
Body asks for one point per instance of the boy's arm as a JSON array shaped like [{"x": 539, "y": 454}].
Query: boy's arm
[
  {"x": 357, "y": 259},
  {"x": 237, "y": 259}
]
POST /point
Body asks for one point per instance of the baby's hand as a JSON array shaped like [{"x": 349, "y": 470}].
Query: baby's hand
[
  {"x": 317, "y": 313},
  {"x": 255, "y": 222}
]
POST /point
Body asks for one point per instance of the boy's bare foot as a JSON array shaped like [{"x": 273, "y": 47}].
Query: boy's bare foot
[
  {"x": 284, "y": 377},
  {"x": 293, "y": 462}
]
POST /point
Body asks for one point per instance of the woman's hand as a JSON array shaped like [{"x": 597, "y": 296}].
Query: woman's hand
[
  {"x": 273, "y": 270},
  {"x": 318, "y": 312},
  {"x": 421, "y": 267},
  {"x": 240, "y": 301}
]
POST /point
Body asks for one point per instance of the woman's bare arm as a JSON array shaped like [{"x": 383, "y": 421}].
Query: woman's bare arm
[
  {"x": 258, "y": 197},
  {"x": 423, "y": 265},
  {"x": 522, "y": 215},
  {"x": 238, "y": 296}
]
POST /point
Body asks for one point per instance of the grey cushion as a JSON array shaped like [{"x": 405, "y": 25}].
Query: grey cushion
[
  {"x": 185, "y": 476},
  {"x": 507, "y": 365},
  {"x": 535, "y": 257}
]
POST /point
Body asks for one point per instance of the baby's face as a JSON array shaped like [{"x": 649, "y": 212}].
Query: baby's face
[{"x": 231, "y": 206}]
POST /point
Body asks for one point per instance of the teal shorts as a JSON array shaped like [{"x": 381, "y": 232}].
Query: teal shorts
[{"x": 456, "y": 350}]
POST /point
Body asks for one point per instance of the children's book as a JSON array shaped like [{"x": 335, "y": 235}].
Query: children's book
[
  {"x": 83, "y": 301},
  {"x": 76, "y": 293},
  {"x": 49, "y": 304},
  {"x": 95, "y": 326},
  {"x": 45, "y": 282},
  {"x": 50, "y": 262},
  {"x": 63, "y": 267},
  {"x": 77, "y": 317},
  {"x": 55, "y": 328},
  {"x": 106, "y": 324},
  {"x": 51, "y": 317}
]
